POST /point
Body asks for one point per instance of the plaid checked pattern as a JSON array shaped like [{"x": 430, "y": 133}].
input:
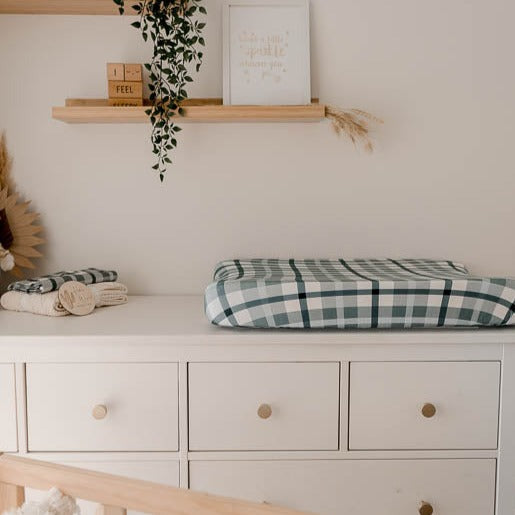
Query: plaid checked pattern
[
  {"x": 52, "y": 282},
  {"x": 356, "y": 294}
]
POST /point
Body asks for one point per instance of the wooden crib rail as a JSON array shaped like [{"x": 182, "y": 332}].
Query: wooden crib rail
[{"x": 114, "y": 493}]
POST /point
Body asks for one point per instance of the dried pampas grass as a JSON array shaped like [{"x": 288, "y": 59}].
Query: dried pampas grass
[{"x": 354, "y": 123}]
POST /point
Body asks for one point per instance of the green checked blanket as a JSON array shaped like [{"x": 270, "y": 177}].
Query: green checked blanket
[
  {"x": 356, "y": 294},
  {"x": 52, "y": 282}
]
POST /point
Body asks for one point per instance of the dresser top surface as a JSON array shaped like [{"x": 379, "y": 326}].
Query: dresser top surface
[{"x": 181, "y": 320}]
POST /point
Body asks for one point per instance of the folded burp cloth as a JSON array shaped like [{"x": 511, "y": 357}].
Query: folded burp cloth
[
  {"x": 109, "y": 294},
  {"x": 106, "y": 294},
  {"x": 45, "y": 304}
]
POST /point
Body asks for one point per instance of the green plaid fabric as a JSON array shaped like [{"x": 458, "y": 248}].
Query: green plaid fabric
[
  {"x": 356, "y": 294},
  {"x": 52, "y": 282}
]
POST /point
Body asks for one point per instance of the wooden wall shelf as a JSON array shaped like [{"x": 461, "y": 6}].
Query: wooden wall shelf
[
  {"x": 78, "y": 110},
  {"x": 61, "y": 7}
]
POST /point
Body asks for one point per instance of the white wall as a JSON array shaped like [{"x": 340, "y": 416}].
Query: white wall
[{"x": 441, "y": 183}]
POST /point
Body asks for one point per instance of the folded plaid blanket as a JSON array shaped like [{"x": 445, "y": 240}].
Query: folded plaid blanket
[
  {"x": 359, "y": 293},
  {"x": 52, "y": 282}
]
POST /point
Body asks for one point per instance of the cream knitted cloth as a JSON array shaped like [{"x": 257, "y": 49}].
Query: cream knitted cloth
[
  {"x": 109, "y": 294},
  {"x": 106, "y": 294}
]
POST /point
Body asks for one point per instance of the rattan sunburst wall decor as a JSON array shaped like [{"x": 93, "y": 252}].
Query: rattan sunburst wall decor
[{"x": 18, "y": 230}]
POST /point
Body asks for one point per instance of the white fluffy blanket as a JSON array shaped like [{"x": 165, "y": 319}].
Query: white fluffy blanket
[{"x": 55, "y": 503}]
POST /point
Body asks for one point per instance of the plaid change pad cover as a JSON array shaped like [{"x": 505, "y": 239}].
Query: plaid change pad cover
[
  {"x": 356, "y": 294},
  {"x": 52, "y": 282}
]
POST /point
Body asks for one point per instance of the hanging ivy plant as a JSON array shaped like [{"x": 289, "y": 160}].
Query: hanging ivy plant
[{"x": 176, "y": 33}]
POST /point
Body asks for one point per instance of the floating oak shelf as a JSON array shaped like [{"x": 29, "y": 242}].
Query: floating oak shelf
[
  {"x": 60, "y": 7},
  {"x": 77, "y": 110}
]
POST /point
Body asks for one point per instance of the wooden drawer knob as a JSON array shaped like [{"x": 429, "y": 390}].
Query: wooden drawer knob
[
  {"x": 428, "y": 410},
  {"x": 99, "y": 411},
  {"x": 426, "y": 509},
  {"x": 264, "y": 411}
]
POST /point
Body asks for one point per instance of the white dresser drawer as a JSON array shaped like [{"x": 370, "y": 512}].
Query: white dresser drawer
[
  {"x": 263, "y": 406},
  {"x": 8, "y": 425},
  {"x": 135, "y": 405},
  {"x": 396, "y": 487},
  {"x": 428, "y": 405}
]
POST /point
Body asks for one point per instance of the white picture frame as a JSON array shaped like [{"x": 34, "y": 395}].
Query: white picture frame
[{"x": 266, "y": 52}]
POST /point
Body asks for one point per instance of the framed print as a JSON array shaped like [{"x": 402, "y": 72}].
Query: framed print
[{"x": 266, "y": 52}]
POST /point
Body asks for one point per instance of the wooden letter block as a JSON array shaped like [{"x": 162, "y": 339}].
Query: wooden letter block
[
  {"x": 133, "y": 72},
  {"x": 115, "y": 71},
  {"x": 125, "y": 102},
  {"x": 125, "y": 89}
]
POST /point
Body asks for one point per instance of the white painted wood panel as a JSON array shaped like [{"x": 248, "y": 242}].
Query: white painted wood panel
[
  {"x": 386, "y": 401},
  {"x": 141, "y": 401},
  {"x": 165, "y": 472},
  {"x": 506, "y": 461},
  {"x": 180, "y": 320},
  {"x": 224, "y": 399},
  {"x": 8, "y": 427},
  {"x": 366, "y": 487}
]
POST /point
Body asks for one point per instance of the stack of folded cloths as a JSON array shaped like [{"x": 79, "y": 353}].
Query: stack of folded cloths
[{"x": 40, "y": 295}]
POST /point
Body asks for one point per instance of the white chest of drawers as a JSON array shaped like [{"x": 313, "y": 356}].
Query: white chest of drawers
[{"x": 331, "y": 422}]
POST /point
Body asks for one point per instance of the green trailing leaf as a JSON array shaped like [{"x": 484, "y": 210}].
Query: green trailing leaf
[
  {"x": 120, "y": 5},
  {"x": 175, "y": 35}
]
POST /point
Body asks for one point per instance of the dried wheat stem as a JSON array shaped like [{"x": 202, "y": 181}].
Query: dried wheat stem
[{"x": 354, "y": 123}]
